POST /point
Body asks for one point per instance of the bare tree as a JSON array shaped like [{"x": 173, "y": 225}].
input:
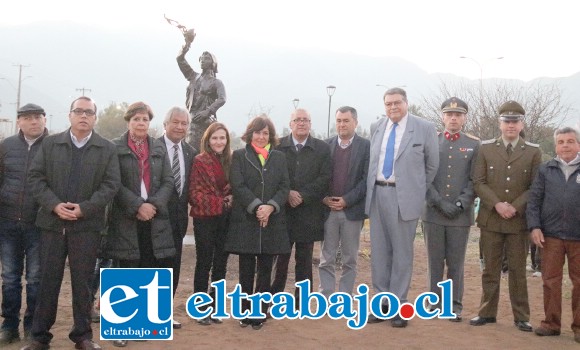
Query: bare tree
[{"x": 545, "y": 109}]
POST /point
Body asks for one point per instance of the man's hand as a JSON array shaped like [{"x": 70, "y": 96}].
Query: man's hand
[
  {"x": 65, "y": 211},
  {"x": 505, "y": 210},
  {"x": 146, "y": 212},
  {"x": 334, "y": 203},
  {"x": 76, "y": 209},
  {"x": 537, "y": 237},
  {"x": 294, "y": 199},
  {"x": 449, "y": 210}
]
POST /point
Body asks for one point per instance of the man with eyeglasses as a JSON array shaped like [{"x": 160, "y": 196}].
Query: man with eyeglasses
[
  {"x": 503, "y": 174},
  {"x": 19, "y": 236},
  {"x": 308, "y": 160},
  {"x": 74, "y": 175},
  {"x": 403, "y": 162}
]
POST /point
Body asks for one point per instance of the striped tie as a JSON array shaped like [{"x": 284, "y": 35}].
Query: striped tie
[{"x": 175, "y": 168}]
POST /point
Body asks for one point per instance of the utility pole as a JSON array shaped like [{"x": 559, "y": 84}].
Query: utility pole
[
  {"x": 20, "y": 66},
  {"x": 83, "y": 89}
]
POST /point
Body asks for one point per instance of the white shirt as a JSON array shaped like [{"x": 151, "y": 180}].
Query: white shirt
[
  {"x": 82, "y": 142},
  {"x": 170, "y": 150},
  {"x": 398, "y": 137},
  {"x": 343, "y": 146},
  {"x": 296, "y": 143},
  {"x": 31, "y": 142}
]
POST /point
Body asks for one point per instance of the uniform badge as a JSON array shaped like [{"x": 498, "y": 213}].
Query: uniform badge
[{"x": 463, "y": 149}]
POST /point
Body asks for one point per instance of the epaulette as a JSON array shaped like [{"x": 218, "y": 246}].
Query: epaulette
[
  {"x": 532, "y": 144},
  {"x": 472, "y": 136},
  {"x": 488, "y": 142}
]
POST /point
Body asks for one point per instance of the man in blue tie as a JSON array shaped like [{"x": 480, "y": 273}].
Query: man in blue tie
[{"x": 403, "y": 162}]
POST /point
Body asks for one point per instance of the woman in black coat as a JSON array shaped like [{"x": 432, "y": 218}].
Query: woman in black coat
[
  {"x": 139, "y": 232},
  {"x": 260, "y": 185}
]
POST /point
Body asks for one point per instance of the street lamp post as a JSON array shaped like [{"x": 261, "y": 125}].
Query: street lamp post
[
  {"x": 295, "y": 102},
  {"x": 330, "y": 91},
  {"x": 481, "y": 100}
]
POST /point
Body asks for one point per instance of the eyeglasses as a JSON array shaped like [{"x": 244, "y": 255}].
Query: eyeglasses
[
  {"x": 394, "y": 104},
  {"x": 79, "y": 112},
  {"x": 301, "y": 121}
]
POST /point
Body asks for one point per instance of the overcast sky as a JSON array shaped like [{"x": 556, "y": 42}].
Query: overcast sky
[{"x": 536, "y": 38}]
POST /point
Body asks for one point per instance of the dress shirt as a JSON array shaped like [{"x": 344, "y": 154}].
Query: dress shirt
[
  {"x": 82, "y": 142},
  {"x": 402, "y": 125}
]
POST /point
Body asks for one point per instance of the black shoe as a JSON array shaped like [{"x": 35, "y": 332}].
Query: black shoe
[
  {"x": 176, "y": 325},
  {"x": 245, "y": 322},
  {"x": 120, "y": 343},
  {"x": 257, "y": 324},
  {"x": 204, "y": 321},
  {"x": 216, "y": 320},
  {"x": 8, "y": 336},
  {"x": 480, "y": 321},
  {"x": 398, "y": 322},
  {"x": 375, "y": 319},
  {"x": 523, "y": 326},
  {"x": 457, "y": 318}
]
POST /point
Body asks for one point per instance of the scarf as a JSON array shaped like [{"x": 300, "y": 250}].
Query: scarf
[
  {"x": 139, "y": 145},
  {"x": 262, "y": 152}
]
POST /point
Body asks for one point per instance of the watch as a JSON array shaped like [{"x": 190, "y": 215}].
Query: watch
[{"x": 458, "y": 203}]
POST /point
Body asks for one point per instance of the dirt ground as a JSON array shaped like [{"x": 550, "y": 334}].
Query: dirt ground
[{"x": 327, "y": 333}]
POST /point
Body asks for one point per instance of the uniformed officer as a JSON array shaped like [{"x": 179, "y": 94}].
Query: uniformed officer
[
  {"x": 503, "y": 173},
  {"x": 449, "y": 206}
]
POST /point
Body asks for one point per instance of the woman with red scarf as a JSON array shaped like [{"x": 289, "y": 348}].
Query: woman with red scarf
[
  {"x": 211, "y": 200},
  {"x": 139, "y": 232},
  {"x": 257, "y": 232}
]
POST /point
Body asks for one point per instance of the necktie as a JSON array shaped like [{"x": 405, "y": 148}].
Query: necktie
[
  {"x": 175, "y": 168},
  {"x": 509, "y": 149},
  {"x": 299, "y": 147},
  {"x": 390, "y": 153}
]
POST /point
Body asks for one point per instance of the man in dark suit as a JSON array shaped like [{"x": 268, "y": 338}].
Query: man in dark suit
[
  {"x": 308, "y": 161},
  {"x": 503, "y": 174},
  {"x": 74, "y": 176},
  {"x": 181, "y": 154},
  {"x": 403, "y": 163},
  {"x": 345, "y": 200},
  {"x": 449, "y": 208}
]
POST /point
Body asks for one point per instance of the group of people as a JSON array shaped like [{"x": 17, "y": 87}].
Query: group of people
[{"x": 76, "y": 195}]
